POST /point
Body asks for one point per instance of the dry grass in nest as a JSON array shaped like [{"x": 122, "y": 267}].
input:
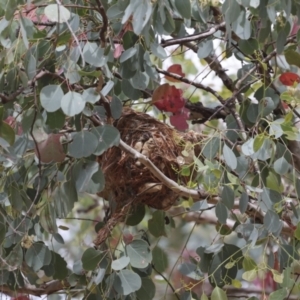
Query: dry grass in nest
[{"x": 127, "y": 180}]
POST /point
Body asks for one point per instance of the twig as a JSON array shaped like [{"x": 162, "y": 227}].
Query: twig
[
  {"x": 194, "y": 37},
  {"x": 103, "y": 30},
  {"x": 195, "y": 84}
]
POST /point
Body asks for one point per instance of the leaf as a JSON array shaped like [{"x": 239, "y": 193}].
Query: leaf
[
  {"x": 50, "y": 150},
  {"x": 190, "y": 270},
  {"x": 281, "y": 166},
  {"x": 51, "y": 96},
  {"x": 205, "y": 49},
  {"x": 37, "y": 256},
  {"x": 160, "y": 259},
  {"x": 60, "y": 267},
  {"x": 127, "y": 282},
  {"x": 229, "y": 157},
  {"x": 175, "y": 69},
  {"x": 94, "y": 55},
  {"x": 293, "y": 58},
  {"x": 91, "y": 95},
  {"x": 184, "y": 8},
  {"x": 168, "y": 98},
  {"x": 272, "y": 221},
  {"x": 128, "y": 54},
  {"x": 83, "y": 145},
  {"x": 120, "y": 263},
  {"x": 91, "y": 258},
  {"x": 250, "y": 275},
  {"x": 221, "y": 213},
  {"x": 57, "y": 13},
  {"x": 139, "y": 253},
  {"x": 179, "y": 120},
  {"x": 289, "y": 78},
  {"x": 156, "y": 224},
  {"x": 279, "y": 294},
  {"x": 7, "y": 133},
  {"x": 158, "y": 51},
  {"x": 48, "y": 218},
  {"x": 15, "y": 258},
  {"x": 243, "y": 204},
  {"x": 72, "y": 103},
  {"x": 147, "y": 290},
  {"x": 107, "y": 136},
  {"x": 116, "y": 107},
  {"x": 218, "y": 294},
  {"x": 228, "y": 197},
  {"x": 211, "y": 148},
  {"x": 136, "y": 215}
]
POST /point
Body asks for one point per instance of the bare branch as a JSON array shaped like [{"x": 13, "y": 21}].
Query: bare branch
[{"x": 103, "y": 30}]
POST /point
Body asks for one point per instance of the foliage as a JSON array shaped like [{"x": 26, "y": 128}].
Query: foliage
[{"x": 68, "y": 69}]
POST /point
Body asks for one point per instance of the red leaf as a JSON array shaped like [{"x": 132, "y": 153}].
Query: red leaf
[
  {"x": 168, "y": 98},
  {"x": 51, "y": 150},
  {"x": 176, "y": 69},
  {"x": 179, "y": 120},
  {"x": 289, "y": 78},
  {"x": 118, "y": 50}
]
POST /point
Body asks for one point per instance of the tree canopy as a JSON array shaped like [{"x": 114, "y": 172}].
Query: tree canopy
[{"x": 150, "y": 149}]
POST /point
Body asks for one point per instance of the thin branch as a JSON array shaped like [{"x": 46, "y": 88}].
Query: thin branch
[
  {"x": 194, "y": 37},
  {"x": 172, "y": 185},
  {"x": 102, "y": 33},
  {"x": 45, "y": 289},
  {"x": 195, "y": 84}
]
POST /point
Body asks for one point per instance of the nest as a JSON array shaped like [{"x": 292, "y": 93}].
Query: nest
[{"x": 129, "y": 181}]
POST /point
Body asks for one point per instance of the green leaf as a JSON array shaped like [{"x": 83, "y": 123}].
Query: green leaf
[
  {"x": 279, "y": 294},
  {"x": 48, "y": 218},
  {"x": 258, "y": 142},
  {"x": 116, "y": 107},
  {"x": 205, "y": 49},
  {"x": 15, "y": 258},
  {"x": 57, "y": 13},
  {"x": 228, "y": 197},
  {"x": 160, "y": 259},
  {"x": 60, "y": 267},
  {"x": 243, "y": 204},
  {"x": 221, "y": 213},
  {"x": 91, "y": 95},
  {"x": 292, "y": 57},
  {"x": 51, "y": 96},
  {"x": 147, "y": 290},
  {"x": 72, "y": 104},
  {"x": 297, "y": 231},
  {"x": 91, "y": 258},
  {"x": 94, "y": 55},
  {"x": 139, "y": 253},
  {"x": 37, "y": 256},
  {"x": 190, "y": 270},
  {"x": 229, "y": 157},
  {"x": 281, "y": 166},
  {"x": 156, "y": 224},
  {"x": 128, "y": 54},
  {"x": 136, "y": 215},
  {"x": 107, "y": 136},
  {"x": 211, "y": 148},
  {"x": 7, "y": 133},
  {"x": 272, "y": 221},
  {"x": 184, "y": 8},
  {"x": 83, "y": 145},
  {"x": 127, "y": 282},
  {"x": 121, "y": 263},
  {"x": 218, "y": 294},
  {"x": 250, "y": 275}
]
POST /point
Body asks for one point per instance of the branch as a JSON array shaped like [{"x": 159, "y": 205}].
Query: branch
[
  {"x": 195, "y": 84},
  {"x": 172, "y": 185},
  {"x": 105, "y": 23},
  {"x": 45, "y": 289},
  {"x": 12, "y": 97},
  {"x": 194, "y": 37}
]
